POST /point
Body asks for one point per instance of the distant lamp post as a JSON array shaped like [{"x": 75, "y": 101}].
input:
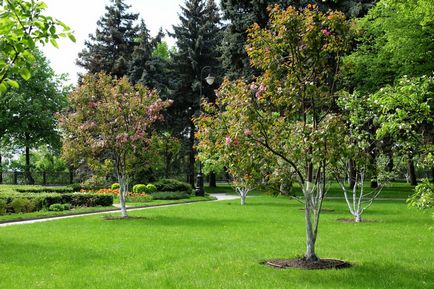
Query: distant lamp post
[{"x": 210, "y": 80}]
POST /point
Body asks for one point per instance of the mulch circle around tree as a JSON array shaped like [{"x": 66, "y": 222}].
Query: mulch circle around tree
[
  {"x": 301, "y": 263},
  {"x": 351, "y": 220},
  {"x": 110, "y": 218}
]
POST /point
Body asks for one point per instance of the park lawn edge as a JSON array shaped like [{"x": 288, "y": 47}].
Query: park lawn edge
[{"x": 14, "y": 218}]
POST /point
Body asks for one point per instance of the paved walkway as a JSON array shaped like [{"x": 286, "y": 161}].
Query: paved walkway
[{"x": 219, "y": 197}]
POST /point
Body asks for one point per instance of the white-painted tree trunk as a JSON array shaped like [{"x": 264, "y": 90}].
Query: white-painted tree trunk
[
  {"x": 123, "y": 191},
  {"x": 355, "y": 202},
  {"x": 243, "y": 191},
  {"x": 312, "y": 209}
]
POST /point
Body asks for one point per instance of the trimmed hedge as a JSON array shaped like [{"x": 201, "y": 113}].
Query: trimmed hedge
[
  {"x": 25, "y": 203},
  {"x": 60, "y": 190},
  {"x": 172, "y": 185},
  {"x": 139, "y": 188},
  {"x": 170, "y": 195}
]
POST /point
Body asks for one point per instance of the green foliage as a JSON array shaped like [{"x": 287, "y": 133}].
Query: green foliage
[
  {"x": 23, "y": 26},
  {"x": 44, "y": 190},
  {"x": 139, "y": 188},
  {"x": 151, "y": 188},
  {"x": 172, "y": 185},
  {"x": 3, "y": 206},
  {"x": 395, "y": 40},
  {"x": 59, "y": 207},
  {"x": 423, "y": 198},
  {"x": 22, "y": 205},
  {"x": 115, "y": 186},
  {"x": 173, "y": 195}
]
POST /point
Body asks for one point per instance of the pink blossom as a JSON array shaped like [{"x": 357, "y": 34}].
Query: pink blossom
[
  {"x": 253, "y": 86},
  {"x": 326, "y": 32},
  {"x": 236, "y": 142},
  {"x": 228, "y": 140},
  {"x": 92, "y": 104},
  {"x": 248, "y": 132},
  {"x": 261, "y": 89}
]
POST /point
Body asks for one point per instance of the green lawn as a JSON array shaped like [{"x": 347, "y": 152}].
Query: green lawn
[{"x": 219, "y": 245}]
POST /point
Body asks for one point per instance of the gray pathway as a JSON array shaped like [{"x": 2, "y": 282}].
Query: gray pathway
[{"x": 218, "y": 196}]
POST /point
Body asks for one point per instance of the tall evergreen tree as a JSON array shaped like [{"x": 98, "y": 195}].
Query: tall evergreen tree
[
  {"x": 197, "y": 39},
  {"x": 109, "y": 49},
  {"x": 241, "y": 14}
]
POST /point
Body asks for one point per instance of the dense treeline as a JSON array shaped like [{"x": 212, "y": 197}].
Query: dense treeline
[{"x": 391, "y": 54}]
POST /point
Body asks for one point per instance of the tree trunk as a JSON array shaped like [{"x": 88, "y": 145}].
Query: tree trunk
[
  {"x": 1, "y": 170},
  {"x": 358, "y": 217},
  {"x": 310, "y": 236},
  {"x": 243, "y": 198},
  {"x": 411, "y": 171},
  {"x": 123, "y": 191},
  {"x": 352, "y": 173},
  {"x": 212, "y": 180},
  {"x": 30, "y": 180}
]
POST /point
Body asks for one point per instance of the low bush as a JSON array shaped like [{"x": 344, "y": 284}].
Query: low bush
[
  {"x": 115, "y": 186},
  {"x": 139, "y": 188},
  {"x": 25, "y": 203},
  {"x": 59, "y": 207},
  {"x": 3, "y": 204},
  {"x": 59, "y": 190},
  {"x": 171, "y": 185},
  {"x": 151, "y": 188},
  {"x": 170, "y": 195},
  {"x": 139, "y": 198}
]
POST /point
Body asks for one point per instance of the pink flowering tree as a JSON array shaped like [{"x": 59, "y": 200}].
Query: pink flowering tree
[
  {"x": 289, "y": 112},
  {"x": 110, "y": 120}
]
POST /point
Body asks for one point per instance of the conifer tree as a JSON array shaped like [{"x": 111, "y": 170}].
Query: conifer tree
[
  {"x": 197, "y": 40},
  {"x": 109, "y": 49}
]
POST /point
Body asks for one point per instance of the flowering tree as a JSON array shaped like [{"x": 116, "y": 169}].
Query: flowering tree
[
  {"x": 288, "y": 111},
  {"x": 109, "y": 119}
]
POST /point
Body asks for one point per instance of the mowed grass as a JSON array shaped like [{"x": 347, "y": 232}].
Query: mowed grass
[{"x": 220, "y": 245}]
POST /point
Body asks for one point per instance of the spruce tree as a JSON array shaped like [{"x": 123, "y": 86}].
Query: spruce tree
[
  {"x": 109, "y": 49},
  {"x": 197, "y": 39}
]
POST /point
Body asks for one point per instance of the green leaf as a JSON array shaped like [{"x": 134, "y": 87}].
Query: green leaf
[
  {"x": 3, "y": 88},
  {"x": 72, "y": 37},
  {"x": 12, "y": 83},
  {"x": 54, "y": 42},
  {"x": 25, "y": 73}
]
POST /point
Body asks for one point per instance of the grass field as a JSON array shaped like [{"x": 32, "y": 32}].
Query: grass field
[{"x": 220, "y": 245}]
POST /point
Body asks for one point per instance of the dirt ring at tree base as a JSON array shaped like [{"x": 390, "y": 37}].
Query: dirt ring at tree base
[
  {"x": 352, "y": 220},
  {"x": 301, "y": 263}
]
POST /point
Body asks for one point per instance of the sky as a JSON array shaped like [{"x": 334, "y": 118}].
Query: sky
[{"x": 82, "y": 15}]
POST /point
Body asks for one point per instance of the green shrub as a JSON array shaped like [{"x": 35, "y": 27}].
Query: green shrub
[
  {"x": 151, "y": 188},
  {"x": 75, "y": 187},
  {"x": 22, "y": 205},
  {"x": 56, "y": 207},
  {"x": 171, "y": 185},
  {"x": 170, "y": 195},
  {"x": 140, "y": 199},
  {"x": 59, "y": 190},
  {"x": 115, "y": 186},
  {"x": 3, "y": 205},
  {"x": 423, "y": 198},
  {"x": 139, "y": 188}
]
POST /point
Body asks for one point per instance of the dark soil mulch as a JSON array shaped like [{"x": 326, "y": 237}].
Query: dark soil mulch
[
  {"x": 110, "y": 218},
  {"x": 352, "y": 220},
  {"x": 301, "y": 263}
]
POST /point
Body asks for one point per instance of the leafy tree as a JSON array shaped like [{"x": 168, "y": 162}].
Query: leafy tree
[
  {"x": 110, "y": 48},
  {"x": 287, "y": 110},
  {"x": 109, "y": 121},
  {"x": 27, "y": 113},
  {"x": 395, "y": 40},
  {"x": 197, "y": 38},
  {"x": 23, "y": 25},
  {"x": 242, "y": 14}
]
